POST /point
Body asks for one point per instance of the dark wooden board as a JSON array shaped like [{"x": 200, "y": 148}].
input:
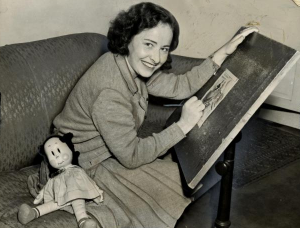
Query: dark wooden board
[{"x": 259, "y": 63}]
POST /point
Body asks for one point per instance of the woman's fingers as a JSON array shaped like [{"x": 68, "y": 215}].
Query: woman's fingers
[
  {"x": 239, "y": 37},
  {"x": 194, "y": 102},
  {"x": 243, "y": 34},
  {"x": 201, "y": 106},
  {"x": 192, "y": 99},
  {"x": 248, "y": 31}
]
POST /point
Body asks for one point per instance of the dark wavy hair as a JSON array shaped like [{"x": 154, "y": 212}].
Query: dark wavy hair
[
  {"x": 145, "y": 15},
  {"x": 66, "y": 138}
]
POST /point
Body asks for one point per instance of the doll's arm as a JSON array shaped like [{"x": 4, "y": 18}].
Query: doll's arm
[{"x": 39, "y": 198}]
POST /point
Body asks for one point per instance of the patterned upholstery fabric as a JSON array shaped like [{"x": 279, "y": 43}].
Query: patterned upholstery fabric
[
  {"x": 14, "y": 192},
  {"x": 36, "y": 79}
]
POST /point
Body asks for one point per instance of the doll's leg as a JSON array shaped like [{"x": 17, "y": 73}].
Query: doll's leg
[
  {"x": 84, "y": 221},
  {"x": 27, "y": 213},
  {"x": 48, "y": 208}
]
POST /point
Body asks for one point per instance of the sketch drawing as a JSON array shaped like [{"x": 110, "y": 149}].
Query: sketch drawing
[{"x": 216, "y": 94}]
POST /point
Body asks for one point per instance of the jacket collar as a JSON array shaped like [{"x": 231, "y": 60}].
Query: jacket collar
[{"x": 128, "y": 77}]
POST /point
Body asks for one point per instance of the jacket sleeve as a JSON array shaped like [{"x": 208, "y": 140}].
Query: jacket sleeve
[
  {"x": 182, "y": 86},
  {"x": 114, "y": 118}
]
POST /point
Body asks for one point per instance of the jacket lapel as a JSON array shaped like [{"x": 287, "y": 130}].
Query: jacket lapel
[
  {"x": 121, "y": 63},
  {"x": 129, "y": 79}
]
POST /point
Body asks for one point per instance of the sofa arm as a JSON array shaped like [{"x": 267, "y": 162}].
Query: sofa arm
[{"x": 35, "y": 81}]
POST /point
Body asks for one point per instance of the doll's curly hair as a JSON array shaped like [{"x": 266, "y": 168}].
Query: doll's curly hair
[{"x": 145, "y": 15}]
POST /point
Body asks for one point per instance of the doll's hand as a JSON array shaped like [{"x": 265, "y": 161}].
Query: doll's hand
[
  {"x": 220, "y": 55},
  {"x": 101, "y": 197},
  {"x": 39, "y": 197}
]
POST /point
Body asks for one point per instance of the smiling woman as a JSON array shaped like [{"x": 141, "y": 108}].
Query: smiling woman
[{"x": 108, "y": 105}]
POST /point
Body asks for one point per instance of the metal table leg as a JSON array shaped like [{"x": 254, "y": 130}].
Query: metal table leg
[{"x": 225, "y": 169}]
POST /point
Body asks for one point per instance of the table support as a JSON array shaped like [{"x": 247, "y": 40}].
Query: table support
[{"x": 225, "y": 169}]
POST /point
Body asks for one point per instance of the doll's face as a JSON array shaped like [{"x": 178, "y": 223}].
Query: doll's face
[{"x": 58, "y": 153}]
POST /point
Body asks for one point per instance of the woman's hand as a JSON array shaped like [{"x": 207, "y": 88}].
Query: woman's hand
[
  {"x": 191, "y": 113},
  {"x": 220, "y": 55}
]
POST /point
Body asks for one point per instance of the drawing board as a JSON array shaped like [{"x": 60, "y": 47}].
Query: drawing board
[{"x": 257, "y": 66}]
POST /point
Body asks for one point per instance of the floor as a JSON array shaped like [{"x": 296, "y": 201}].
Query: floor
[{"x": 270, "y": 202}]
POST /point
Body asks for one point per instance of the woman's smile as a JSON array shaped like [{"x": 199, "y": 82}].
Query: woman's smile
[{"x": 150, "y": 65}]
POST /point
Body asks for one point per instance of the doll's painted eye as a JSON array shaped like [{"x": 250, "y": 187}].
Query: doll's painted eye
[
  {"x": 52, "y": 153},
  {"x": 58, "y": 150}
]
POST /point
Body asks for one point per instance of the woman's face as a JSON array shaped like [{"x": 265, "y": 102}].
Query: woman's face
[{"x": 149, "y": 49}]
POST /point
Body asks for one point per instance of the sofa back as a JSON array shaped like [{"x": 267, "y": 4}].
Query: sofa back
[{"x": 35, "y": 81}]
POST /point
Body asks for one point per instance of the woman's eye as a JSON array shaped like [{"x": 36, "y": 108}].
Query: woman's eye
[
  {"x": 52, "y": 153},
  {"x": 165, "y": 49},
  {"x": 149, "y": 44},
  {"x": 58, "y": 150}
]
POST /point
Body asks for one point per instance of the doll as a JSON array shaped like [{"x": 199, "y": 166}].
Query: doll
[{"x": 69, "y": 185}]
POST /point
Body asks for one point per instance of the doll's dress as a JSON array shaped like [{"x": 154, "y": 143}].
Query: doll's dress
[{"x": 72, "y": 183}]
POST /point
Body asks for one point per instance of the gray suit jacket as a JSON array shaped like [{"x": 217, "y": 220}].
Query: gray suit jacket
[{"x": 108, "y": 105}]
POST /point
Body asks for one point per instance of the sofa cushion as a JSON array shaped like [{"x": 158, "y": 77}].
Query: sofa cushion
[
  {"x": 36, "y": 79},
  {"x": 14, "y": 192}
]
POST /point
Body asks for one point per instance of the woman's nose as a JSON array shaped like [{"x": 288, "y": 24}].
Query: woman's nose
[{"x": 155, "y": 57}]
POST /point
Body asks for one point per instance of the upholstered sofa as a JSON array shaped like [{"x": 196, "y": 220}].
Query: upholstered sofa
[{"x": 35, "y": 80}]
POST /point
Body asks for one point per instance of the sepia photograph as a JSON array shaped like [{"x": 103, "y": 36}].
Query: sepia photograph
[{"x": 149, "y": 114}]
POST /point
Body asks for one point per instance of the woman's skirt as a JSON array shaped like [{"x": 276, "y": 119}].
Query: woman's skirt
[{"x": 150, "y": 196}]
